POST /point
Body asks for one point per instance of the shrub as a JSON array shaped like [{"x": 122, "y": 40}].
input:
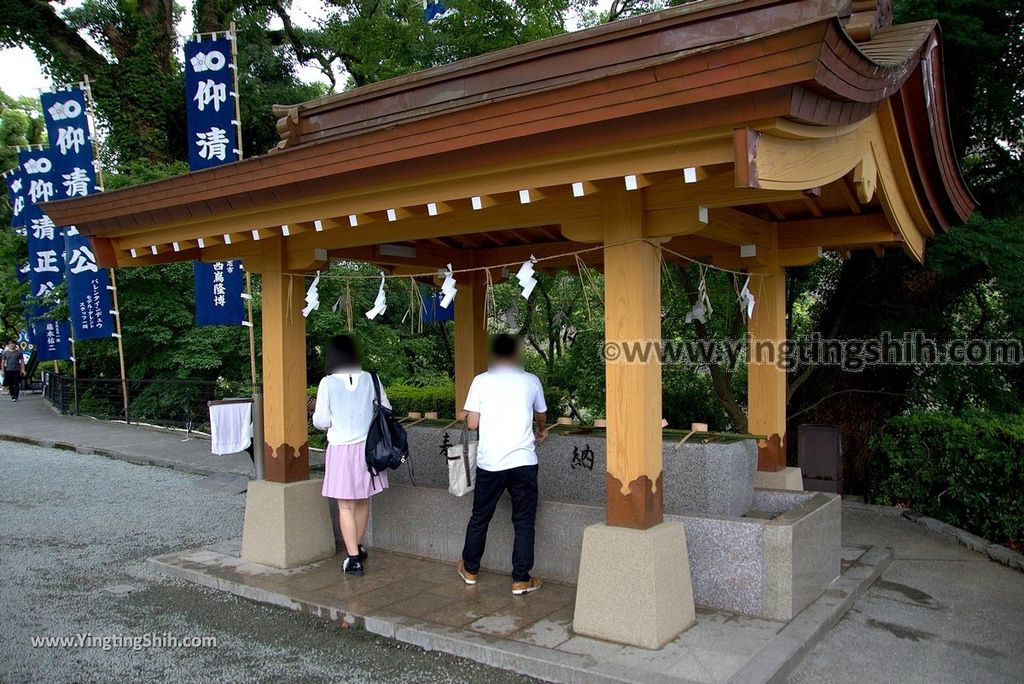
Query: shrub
[
  {"x": 966, "y": 470},
  {"x": 405, "y": 398}
]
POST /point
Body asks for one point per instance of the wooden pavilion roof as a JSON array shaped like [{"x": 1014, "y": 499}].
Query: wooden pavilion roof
[{"x": 746, "y": 93}]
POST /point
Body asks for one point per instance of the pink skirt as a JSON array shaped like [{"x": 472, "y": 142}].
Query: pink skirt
[{"x": 346, "y": 476}]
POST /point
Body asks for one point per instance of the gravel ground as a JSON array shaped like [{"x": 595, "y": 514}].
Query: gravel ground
[{"x": 75, "y": 531}]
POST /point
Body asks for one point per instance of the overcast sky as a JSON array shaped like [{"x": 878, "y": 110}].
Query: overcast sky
[{"x": 22, "y": 74}]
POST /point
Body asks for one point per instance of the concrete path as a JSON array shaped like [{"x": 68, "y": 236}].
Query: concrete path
[
  {"x": 75, "y": 530},
  {"x": 939, "y": 613},
  {"x": 32, "y": 420}
]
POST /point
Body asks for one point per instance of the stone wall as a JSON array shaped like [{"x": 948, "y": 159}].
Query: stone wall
[
  {"x": 754, "y": 566},
  {"x": 715, "y": 478}
]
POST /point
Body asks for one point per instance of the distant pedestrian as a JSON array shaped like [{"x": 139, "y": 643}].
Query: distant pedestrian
[
  {"x": 14, "y": 368},
  {"x": 507, "y": 405},
  {"x": 344, "y": 408}
]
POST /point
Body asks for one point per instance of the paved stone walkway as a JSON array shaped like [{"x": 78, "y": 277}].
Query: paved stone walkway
[
  {"x": 33, "y": 420},
  {"x": 939, "y": 612}
]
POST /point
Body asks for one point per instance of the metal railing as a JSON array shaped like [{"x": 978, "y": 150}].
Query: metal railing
[{"x": 170, "y": 403}]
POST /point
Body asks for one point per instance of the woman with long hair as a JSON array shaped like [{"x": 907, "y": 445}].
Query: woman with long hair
[{"x": 344, "y": 408}]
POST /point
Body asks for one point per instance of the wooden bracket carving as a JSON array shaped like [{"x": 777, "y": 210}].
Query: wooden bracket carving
[{"x": 287, "y": 126}]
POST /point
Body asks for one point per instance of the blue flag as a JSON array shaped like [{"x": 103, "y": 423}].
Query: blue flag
[
  {"x": 52, "y": 339},
  {"x": 71, "y": 150},
  {"x": 89, "y": 299},
  {"x": 210, "y": 104},
  {"x": 45, "y": 242},
  {"x": 432, "y": 312},
  {"x": 432, "y": 10},
  {"x": 218, "y": 288},
  {"x": 16, "y": 193}
]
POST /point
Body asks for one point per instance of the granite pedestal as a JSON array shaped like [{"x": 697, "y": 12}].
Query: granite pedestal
[{"x": 286, "y": 524}]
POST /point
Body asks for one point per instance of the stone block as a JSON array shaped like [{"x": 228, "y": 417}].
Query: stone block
[
  {"x": 645, "y": 602},
  {"x": 711, "y": 479},
  {"x": 286, "y": 524},
  {"x": 787, "y": 478}
]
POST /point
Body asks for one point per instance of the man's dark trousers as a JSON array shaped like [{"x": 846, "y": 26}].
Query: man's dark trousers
[
  {"x": 12, "y": 379},
  {"x": 521, "y": 484}
]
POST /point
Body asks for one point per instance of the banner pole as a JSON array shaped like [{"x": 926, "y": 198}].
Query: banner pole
[
  {"x": 238, "y": 96},
  {"x": 120, "y": 344},
  {"x": 74, "y": 371},
  {"x": 257, "y": 396}
]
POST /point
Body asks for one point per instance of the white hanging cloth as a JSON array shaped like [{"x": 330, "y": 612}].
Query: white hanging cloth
[
  {"x": 747, "y": 300},
  {"x": 702, "y": 308},
  {"x": 312, "y": 297},
  {"x": 380, "y": 303},
  {"x": 448, "y": 289},
  {"x": 526, "y": 277}
]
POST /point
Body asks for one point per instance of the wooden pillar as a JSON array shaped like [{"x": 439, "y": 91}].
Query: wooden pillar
[
  {"x": 766, "y": 378},
  {"x": 286, "y": 446},
  {"x": 470, "y": 334},
  {"x": 633, "y": 403}
]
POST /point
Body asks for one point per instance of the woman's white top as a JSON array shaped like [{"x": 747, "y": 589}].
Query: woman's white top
[{"x": 344, "y": 406}]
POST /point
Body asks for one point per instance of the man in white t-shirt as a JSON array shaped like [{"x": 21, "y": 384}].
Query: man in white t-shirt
[{"x": 507, "y": 405}]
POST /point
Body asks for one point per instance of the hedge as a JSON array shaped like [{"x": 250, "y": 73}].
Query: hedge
[
  {"x": 405, "y": 398},
  {"x": 965, "y": 469}
]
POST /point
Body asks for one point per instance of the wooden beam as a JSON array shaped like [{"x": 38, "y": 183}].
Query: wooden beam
[
  {"x": 669, "y": 154},
  {"x": 286, "y": 450},
  {"x": 766, "y": 379},
  {"x": 632, "y": 315},
  {"x": 470, "y": 333},
  {"x": 841, "y": 231}
]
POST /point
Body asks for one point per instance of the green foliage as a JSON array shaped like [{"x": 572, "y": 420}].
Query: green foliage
[
  {"x": 964, "y": 469},
  {"x": 405, "y": 398}
]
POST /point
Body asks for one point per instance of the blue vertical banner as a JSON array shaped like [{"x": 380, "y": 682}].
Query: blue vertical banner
[
  {"x": 15, "y": 192},
  {"x": 219, "y": 288},
  {"x": 210, "y": 103},
  {"x": 89, "y": 301},
  {"x": 52, "y": 339},
  {"x": 431, "y": 310},
  {"x": 71, "y": 146},
  {"x": 45, "y": 242}
]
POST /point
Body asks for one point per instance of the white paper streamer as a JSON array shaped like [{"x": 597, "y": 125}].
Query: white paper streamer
[
  {"x": 448, "y": 288},
  {"x": 526, "y": 278},
  {"x": 380, "y": 303},
  {"x": 702, "y": 309},
  {"x": 312, "y": 297},
  {"x": 747, "y": 299}
]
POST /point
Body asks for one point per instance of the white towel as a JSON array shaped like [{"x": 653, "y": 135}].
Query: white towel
[{"x": 230, "y": 427}]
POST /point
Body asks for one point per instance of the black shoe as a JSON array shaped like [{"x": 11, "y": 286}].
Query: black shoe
[
  {"x": 362, "y": 553},
  {"x": 352, "y": 566}
]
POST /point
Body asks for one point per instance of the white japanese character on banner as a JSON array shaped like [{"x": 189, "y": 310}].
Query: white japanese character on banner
[
  {"x": 76, "y": 182},
  {"x": 40, "y": 191},
  {"x": 210, "y": 61},
  {"x": 42, "y": 228},
  {"x": 45, "y": 289},
  {"x": 19, "y": 205},
  {"x": 16, "y": 185},
  {"x": 82, "y": 259},
  {"x": 210, "y": 92},
  {"x": 46, "y": 262},
  {"x": 212, "y": 144},
  {"x": 70, "y": 138}
]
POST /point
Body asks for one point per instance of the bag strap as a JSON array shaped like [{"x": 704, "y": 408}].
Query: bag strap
[
  {"x": 465, "y": 453},
  {"x": 376, "y": 385}
]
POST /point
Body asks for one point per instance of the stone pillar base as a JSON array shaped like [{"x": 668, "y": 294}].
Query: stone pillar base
[
  {"x": 634, "y": 585},
  {"x": 787, "y": 478},
  {"x": 286, "y": 524}
]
